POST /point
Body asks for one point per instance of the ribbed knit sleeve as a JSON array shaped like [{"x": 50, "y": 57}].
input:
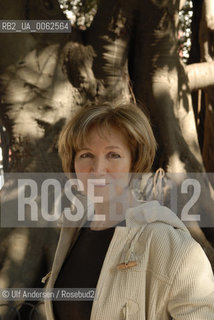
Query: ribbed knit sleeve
[{"x": 192, "y": 292}]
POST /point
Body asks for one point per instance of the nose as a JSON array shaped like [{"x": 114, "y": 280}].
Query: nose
[{"x": 99, "y": 166}]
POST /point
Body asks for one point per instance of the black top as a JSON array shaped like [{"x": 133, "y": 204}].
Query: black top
[{"x": 81, "y": 269}]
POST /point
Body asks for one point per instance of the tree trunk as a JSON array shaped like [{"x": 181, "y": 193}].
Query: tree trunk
[
  {"x": 206, "y": 44},
  {"x": 160, "y": 81},
  {"x": 123, "y": 56},
  {"x": 35, "y": 100}
]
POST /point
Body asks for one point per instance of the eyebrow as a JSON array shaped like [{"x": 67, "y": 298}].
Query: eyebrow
[{"x": 108, "y": 147}]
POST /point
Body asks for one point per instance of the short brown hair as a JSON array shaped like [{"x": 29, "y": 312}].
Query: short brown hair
[{"x": 129, "y": 119}]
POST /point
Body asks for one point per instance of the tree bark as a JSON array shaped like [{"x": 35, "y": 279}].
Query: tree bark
[
  {"x": 160, "y": 82},
  {"x": 206, "y": 44},
  {"x": 209, "y": 13},
  {"x": 36, "y": 98},
  {"x": 129, "y": 52},
  {"x": 200, "y": 75},
  {"x": 110, "y": 35}
]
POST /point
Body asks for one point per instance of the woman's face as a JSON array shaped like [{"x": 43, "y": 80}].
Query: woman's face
[{"x": 105, "y": 156}]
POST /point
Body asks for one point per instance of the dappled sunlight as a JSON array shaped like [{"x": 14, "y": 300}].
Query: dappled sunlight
[
  {"x": 129, "y": 51},
  {"x": 38, "y": 67},
  {"x": 4, "y": 279},
  {"x": 80, "y": 13},
  {"x": 25, "y": 124},
  {"x": 175, "y": 163},
  {"x": 17, "y": 246},
  {"x": 37, "y": 91}
]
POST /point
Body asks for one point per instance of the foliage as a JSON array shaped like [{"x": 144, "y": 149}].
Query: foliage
[
  {"x": 184, "y": 30},
  {"x": 80, "y": 12}
]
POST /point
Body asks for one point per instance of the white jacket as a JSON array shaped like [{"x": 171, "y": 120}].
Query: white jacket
[{"x": 172, "y": 278}]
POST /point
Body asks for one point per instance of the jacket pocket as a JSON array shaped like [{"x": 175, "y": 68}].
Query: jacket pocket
[{"x": 130, "y": 310}]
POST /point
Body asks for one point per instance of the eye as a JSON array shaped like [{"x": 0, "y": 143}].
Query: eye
[
  {"x": 86, "y": 155},
  {"x": 114, "y": 155}
]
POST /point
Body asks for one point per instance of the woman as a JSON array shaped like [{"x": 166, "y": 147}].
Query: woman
[{"x": 142, "y": 260}]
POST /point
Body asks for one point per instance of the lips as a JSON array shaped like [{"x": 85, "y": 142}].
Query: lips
[{"x": 100, "y": 185}]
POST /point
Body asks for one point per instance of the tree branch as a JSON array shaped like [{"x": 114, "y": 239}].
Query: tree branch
[
  {"x": 200, "y": 75},
  {"x": 209, "y": 13}
]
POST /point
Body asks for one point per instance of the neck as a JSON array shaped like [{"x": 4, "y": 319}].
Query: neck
[{"x": 107, "y": 216}]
